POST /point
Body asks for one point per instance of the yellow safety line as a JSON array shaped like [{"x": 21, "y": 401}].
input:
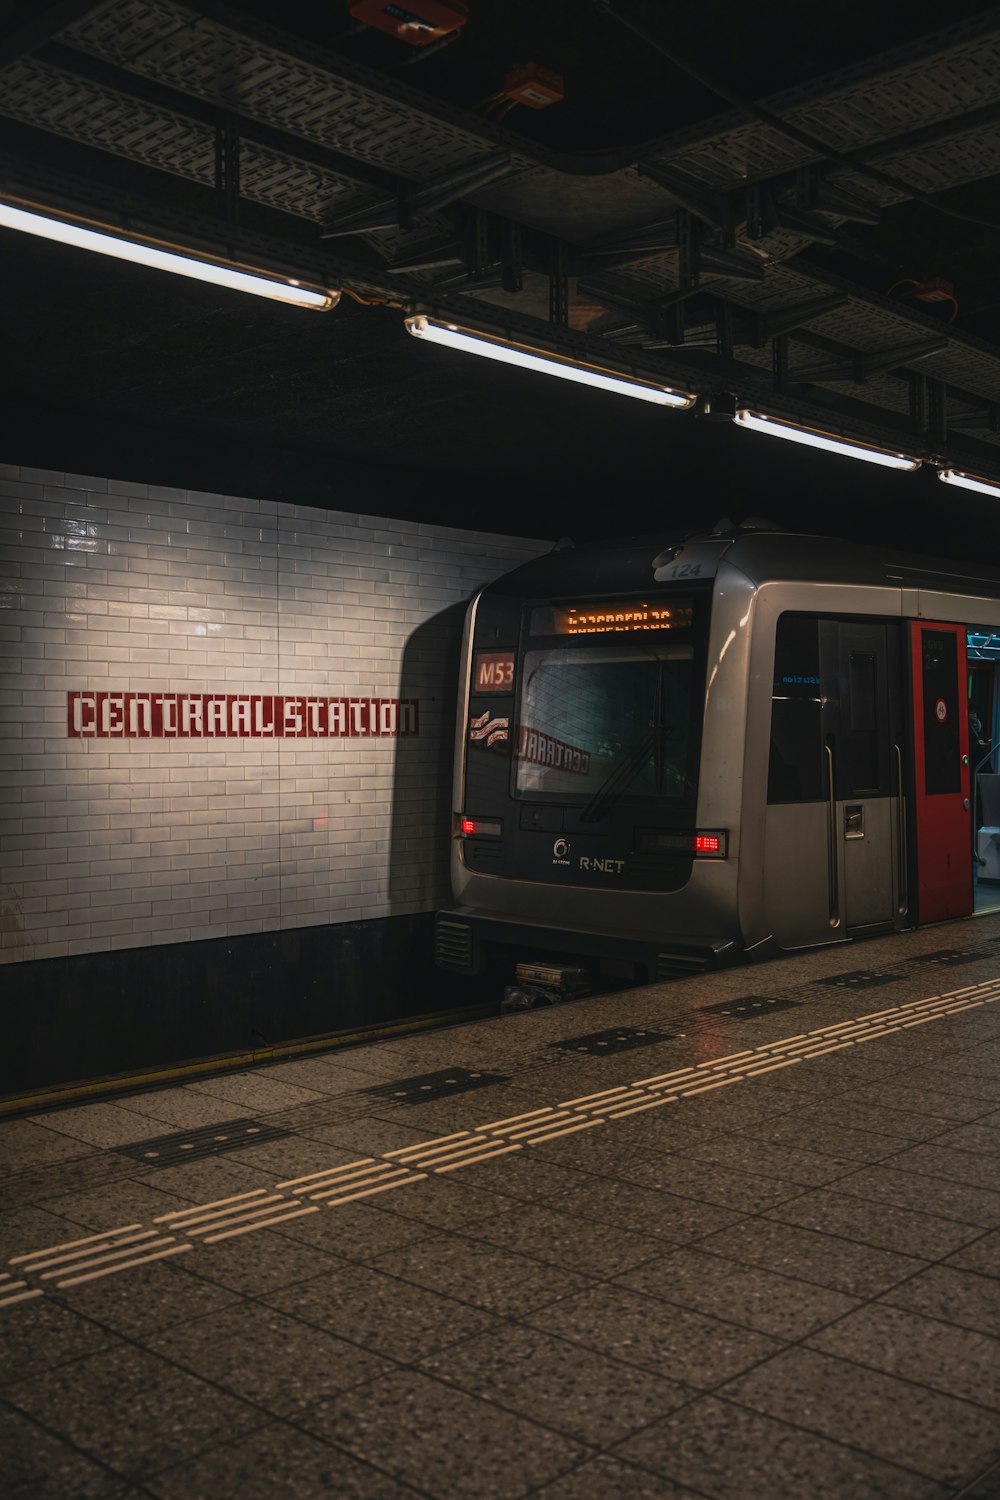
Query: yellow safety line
[
  {"x": 517, "y": 1119},
  {"x": 40, "y": 1262},
  {"x": 334, "y": 1178},
  {"x": 21, "y": 1297},
  {"x": 102, "y": 1258},
  {"x": 554, "y": 1135},
  {"x": 72, "y": 1244},
  {"x": 385, "y": 1187},
  {"x": 366, "y": 1161},
  {"x": 229, "y": 1234},
  {"x": 472, "y": 1160},
  {"x": 125, "y": 1266},
  {"x": 183, "y": 1213},
  {"x": 440, "y": 1140},
  {"x": 720, "y": 1083},
  {"x": 233, "y": 1062},
  {"x": 260, "y": 1206},
  {"x": 621, "y": 1114},
  {"x": 86, "y": 1259}
]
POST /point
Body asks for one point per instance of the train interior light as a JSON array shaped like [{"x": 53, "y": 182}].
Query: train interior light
[
  {"x": 28, "y": 219},
  {"x": 969, "y": 482},
  {"x": 525, "y": 357},
  {"x": 830, "y": 442}
]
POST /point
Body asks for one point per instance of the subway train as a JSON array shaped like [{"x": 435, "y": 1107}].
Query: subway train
[{"x": 676, "y": 755}]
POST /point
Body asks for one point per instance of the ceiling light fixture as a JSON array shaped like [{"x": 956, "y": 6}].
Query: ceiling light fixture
[
  {"x": 970, "y": 482},
  {"x": 106, "y": 241},
  {"x": 526, "y": 357},
  {"x": 829, "y": 441}
]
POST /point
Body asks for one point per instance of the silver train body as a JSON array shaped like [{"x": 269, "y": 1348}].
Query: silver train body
[{"x": 673, "y": 756}]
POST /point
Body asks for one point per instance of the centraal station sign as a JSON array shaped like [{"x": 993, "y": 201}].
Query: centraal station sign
[{"x": 215, "y": 716}]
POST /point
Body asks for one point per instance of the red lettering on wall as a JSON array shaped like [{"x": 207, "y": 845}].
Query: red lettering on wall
[{"x": 208, "y": 716}]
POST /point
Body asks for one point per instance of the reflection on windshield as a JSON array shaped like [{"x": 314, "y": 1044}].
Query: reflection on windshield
[
  {"x": 537, "y": 748},
  {"x": 601, "y": 723}
]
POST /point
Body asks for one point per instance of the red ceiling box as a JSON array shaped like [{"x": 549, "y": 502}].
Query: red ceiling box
[{"x": 418, "y": 22}]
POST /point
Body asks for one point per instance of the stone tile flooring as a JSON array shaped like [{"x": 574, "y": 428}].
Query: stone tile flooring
[{"x": 784, "y": 1288}]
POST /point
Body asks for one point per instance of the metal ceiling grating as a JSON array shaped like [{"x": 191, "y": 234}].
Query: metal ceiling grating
[
  {"x": 962, "y": 156},
  {"x": 81, "y": 111},
  {"x": 101, "y": 117},
  {"x": 306, "y": 91},
  {"x": 935, "y": 79},
  {"x": 928, "y": 112},
  {"x": 866, "y": 322}
]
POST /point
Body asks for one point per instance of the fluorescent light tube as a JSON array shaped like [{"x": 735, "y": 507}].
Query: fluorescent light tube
[
  {"x": 829, "y": 441},
  {"x": 218, "y": 273},
  {"x": 969, "y": 482},
  {"x": 527, "y": 358}
]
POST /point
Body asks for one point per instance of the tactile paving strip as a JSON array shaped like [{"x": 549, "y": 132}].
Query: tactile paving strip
[
  {"x": 951, "y": 957},
  {"x": 749, "y": 1007},
  {"x": 617, "y": 1039},
  {"x": 208, "y": 1140},
  {"x": 858, "y": 979},
  {"x": 100, "y": 1255},
  {"x": 444, "y": 1084},
  {"x": 228, "y": 1217},
  {"x": 87, "y": 1259}
]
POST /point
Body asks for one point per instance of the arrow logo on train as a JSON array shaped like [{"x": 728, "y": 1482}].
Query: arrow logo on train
[{"x": 490, "y": 730}]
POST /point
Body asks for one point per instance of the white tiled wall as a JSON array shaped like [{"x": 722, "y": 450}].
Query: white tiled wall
[{"x": 116, "y": 586}]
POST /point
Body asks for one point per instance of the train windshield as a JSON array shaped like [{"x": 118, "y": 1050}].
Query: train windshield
[
  {"x": 609, "y": 698},
  {"x": 604, "y": 722}
]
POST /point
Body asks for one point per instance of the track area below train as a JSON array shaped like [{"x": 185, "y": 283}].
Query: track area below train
[{"x": 732, "y": 1237}]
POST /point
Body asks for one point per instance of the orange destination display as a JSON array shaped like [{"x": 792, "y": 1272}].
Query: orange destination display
[{"x": 611, "y": 616}]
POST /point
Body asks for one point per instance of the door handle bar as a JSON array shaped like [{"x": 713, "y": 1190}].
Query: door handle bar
[
  {"x": 833, "y": 869},
  {"x": 904, "y": 895}
]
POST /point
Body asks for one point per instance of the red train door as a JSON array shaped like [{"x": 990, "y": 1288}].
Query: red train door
[{"x": 941, "y": 771}]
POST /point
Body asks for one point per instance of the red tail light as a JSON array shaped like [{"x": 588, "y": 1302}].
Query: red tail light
[
  {"x": 666, "y": 841},
  {"x": 480, "y": 828}
]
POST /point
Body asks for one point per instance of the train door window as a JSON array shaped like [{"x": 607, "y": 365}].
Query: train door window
[
  {"x": 859, "y": 680},
  {"x": 983, "y": 647},
  {"x": 942, "y": 766},
  {"x": 863, "y": 739},
  {"x": 795, "y": 770}
]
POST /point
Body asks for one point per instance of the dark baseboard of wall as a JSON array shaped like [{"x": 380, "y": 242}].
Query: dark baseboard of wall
[{"x": 67, "y": 1020}]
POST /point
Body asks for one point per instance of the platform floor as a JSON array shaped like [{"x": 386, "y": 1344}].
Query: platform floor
[{"x": 734, "y": 1237}]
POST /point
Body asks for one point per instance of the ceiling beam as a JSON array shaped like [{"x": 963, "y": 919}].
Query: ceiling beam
[
  {"x": 740, "y": 266},
  {"x": 157, "y": 95},
  {"x": 767, "y": 326},
  {"x": 416, "y": 202},
  {"x": 980, "y": 118},
  {"x": 90, "y": 184},
  {"x": 714, "y": 208},
  {"x": 858, "y": 364}
]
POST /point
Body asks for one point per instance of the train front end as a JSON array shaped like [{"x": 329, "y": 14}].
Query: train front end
[{"x": 594, "y": 821}]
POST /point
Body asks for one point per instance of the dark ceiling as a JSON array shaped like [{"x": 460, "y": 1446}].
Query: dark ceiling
[{"x": 114, "y": 110}]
